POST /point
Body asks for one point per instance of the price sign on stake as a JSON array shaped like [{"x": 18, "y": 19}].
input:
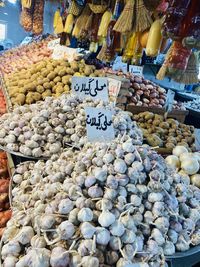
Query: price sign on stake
[
  {"x": 137, "y": 70},
  {"x": 99, "y": 125},
  {"x": 96, "y": 88},
  {"x": 169, "y": 101}
]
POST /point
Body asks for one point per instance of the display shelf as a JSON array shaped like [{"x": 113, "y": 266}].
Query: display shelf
[{"x": 179, "y": 115}]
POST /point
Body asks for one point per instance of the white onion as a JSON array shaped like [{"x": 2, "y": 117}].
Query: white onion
[
  {"x": 190, "y": 166},
  {"x": 178, "y": 150},
  {"x": 173, "y": 161}
]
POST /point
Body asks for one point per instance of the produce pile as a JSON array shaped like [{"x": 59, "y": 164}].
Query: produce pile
[
  {"x": 194, "y": 104},
  {"x": 22, "y": 57},
  {"x": 46, "y": 78},
  {"x": 187, "y": 163},
  {"x": 142, "y": 93},
  {"x": 108, "y": 205},
  {"x": 44, "y": 128},
  {"x": 2, "y": 103},
  {"x": 166, "y": 133},
  {"x": 5, "y": 213}
]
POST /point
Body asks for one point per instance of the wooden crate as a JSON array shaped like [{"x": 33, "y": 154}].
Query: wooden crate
[{"x": 179, "y": 115}]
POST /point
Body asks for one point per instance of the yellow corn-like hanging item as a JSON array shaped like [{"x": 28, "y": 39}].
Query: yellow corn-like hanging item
[
  {"x": 59, "y": 26},
  {"x": 81, "y": 21},
  {"x": 55, "y": 20},
  {"x": 103, "y": 28},
  {"x": 130, "y": 47},
  {"x": 69, "y": 23}
]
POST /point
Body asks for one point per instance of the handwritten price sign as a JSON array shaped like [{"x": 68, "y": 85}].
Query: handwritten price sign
[
  {"x": 97, "y": 88},
  {"x": 99, "y": 125},
  {"x": 169, "y": 101}
]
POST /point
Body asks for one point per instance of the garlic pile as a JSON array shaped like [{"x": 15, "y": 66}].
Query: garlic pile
[
  {"x": 44, "y": 128},
  {"x": 107, "y": 205},
  {"x": 187, "y": 163}
]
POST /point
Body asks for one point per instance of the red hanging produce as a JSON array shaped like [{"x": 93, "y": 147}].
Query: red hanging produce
[
  {"x": 178, "y": 61},
  {"x": 174, "y": 18}
]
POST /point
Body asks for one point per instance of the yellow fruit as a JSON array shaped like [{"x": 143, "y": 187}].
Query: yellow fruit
[
  {"x": 69, "y": 23},
  {"x": 155, "y": 39},
  {"x": 103, "y": 28}
]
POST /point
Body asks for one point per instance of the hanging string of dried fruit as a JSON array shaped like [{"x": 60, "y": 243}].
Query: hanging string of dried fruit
[
  {"x": 26, "y": 16},
  {"x": 38, "y": 17}
]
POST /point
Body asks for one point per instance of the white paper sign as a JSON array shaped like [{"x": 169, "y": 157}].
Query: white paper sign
[
  {"x": 64, "y": 52},
  {"x": 137, "y": 70},
  {"x": 114, "y": 87},
  {"x": 169, "y": 101},
  {"x": 96, "y": 88},
  {"x": 52, "y": 44},
  {"x": 197, "y": 139},
  {"x": 99, "y": 125}
]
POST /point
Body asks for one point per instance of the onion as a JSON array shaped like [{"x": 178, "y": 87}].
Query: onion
[
  {"x": 187, "y": 155},
  {"x": 178, "y": 150},
  {"x": 190, "y": 166},
  {"x": 195, "y": 179},
  {"x": 173, "y": 161}
]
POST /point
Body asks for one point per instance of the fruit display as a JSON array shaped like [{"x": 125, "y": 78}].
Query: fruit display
[
  {"x": 45, "y": 128},
  {"x": 5, "y": 213},
  {"x": 186, "y": 163},
  {"x": 165, "y": 133},
  {"x": 45, "y": 78},
  {"x": 23, "y": 56},
  {"x": 142, "y": 93},
  {"x": 106, "y": 205}
]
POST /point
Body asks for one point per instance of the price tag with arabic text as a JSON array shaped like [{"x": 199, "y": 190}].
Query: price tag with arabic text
[
  {"x": 99, "y": 125},
  {"x": 52, "y": 44},
  {"x": 169, "y": 101},
  {"x": 137, "y": 70},
  {"x": 96, "y": 88}
]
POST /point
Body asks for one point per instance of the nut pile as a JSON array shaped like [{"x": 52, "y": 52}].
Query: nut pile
[
  {"x": 46, "y": 78},
  {"x": 22, "y": 57},
  {"x": 108, "y": 205},
  {"x": 44, "y": 128},
  {"x": 165, "y": 133}
]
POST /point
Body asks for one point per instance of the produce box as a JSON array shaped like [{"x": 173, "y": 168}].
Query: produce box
[{"x": 179, "y": 115}]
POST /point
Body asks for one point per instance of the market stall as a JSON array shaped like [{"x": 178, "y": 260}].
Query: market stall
[{"x": 100, "y": 167}]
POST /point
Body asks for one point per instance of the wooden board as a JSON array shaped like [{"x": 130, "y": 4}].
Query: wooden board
[{"x": 179, "y": 115}]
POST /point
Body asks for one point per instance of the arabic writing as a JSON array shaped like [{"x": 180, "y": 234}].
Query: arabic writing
[
  {"x": 101, "y": 123},
  {"x": 88, "y": 89},
  {"x": 96, "y": 88}
]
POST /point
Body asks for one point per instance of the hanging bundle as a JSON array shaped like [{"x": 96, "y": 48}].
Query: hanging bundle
[
  {"x": 190, "y": 76},
  {"x": 87, "y": 27},
  {"x": 26, "y": 3},
  {"x": 38, "y": 17},
  {"x": 69, "y": 23},
  {"x": 154, "y": 39},
  {"x": 163, "y": 70},
  {"x": 98, "y": 8},
  {"x": 59, "y": 25},
  {"x": 124, "y": 23},
  {"x": 143, "y": 18},
  {"x": 75, "y": 9},
  {"x": 55, "y": 19},
  {"x": 103, "y": 28},
  {"x": 81, "y": 21},
  {"x": 26, "y": 20}
]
